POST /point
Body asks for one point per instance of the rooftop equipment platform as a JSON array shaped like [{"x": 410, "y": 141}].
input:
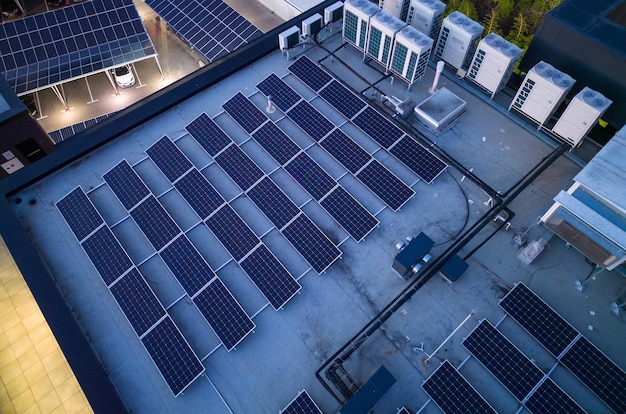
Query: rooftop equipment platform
[{"x": 439, "y": 110}]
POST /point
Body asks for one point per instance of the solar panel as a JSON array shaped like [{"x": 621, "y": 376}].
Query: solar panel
[
  {"x": 276, "y": 143},
  {"x": 421, "y": 161},
  {"x": 310, "y": 176},
  {"x": 310, "y": 120},
  {"x": 507, "y": 363},
  {"x": 452, "y": 393},
  {"x": 349, "y": 213},
  {"x": 79, "y": 213},
  {"x": 46, "y": 49},
  {"x": 170, "y": 160},
  {"x": 107, "y": 255},
  {"x": 549, "y": 398},
  {"x": 342, "y": 99},
  {"x": 221, "y": 310},
  {"x": 155, "y": 222},
  {"x": 208, "y": 134},
  {"x": 138, "y": 302},
  {"x": 243, "y": 171},
  {"x": 311, "y": 243},
  {"x": 270, "y": 277},
  {"x": 347, "y": 152},
  {"x": 172, "y": 355},
  {"x": 379, "y": 128},
  {"x": 271, "y": 200},
  {"x": 283, "y": 96},
  {"x": 199, "y": 193},
  {"x": 211, "y": 27},
  {"x": 389, "y": 188},
  {"x": 540, "y": 320},
  {"x": 302, "y": 404},
  {"x": 187, "y": 265},
  {"x": 597, "y": 372},
  {"x": 126, "y": 184},
  {"x": 244, "y": 112},
  {"x": 309, "y": 73},
  {"x": 232, "y": 232}
]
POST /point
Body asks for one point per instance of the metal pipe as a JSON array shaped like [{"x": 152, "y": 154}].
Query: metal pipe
[{"x": 450, "y": 336}]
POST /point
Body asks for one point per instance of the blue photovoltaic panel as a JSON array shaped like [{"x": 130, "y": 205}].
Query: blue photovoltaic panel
[
  {"x": 423, "y": 163},
  {"x": 342, "y": 99},
  {"x": 350, "y": 154},
  {"x": 316, "y": 125},
  {"x": 187, "y": 265},
  {"x": 276, "y": 143},
  {"x": 540, "y": 320},
  {"x": 232, "y": 232},
  {"x": 379, "y": 128},
  {"x": 221, "y": 310},
  {"x": 349, "y": 213},
  {"x": 507, "y": 363},
  {"x": 309, "y": 73},
  {"x": 389, "y": 188},
  {"x": 283, "y": 96},
  {"x": 311, "y": 243},
  {"x": 137, "y": 301},
  {"x": 79, "y": 213},
  {"x": 199, "y": 193},
  {"x": 597, "y": 372},
  {"x": 244, "y": 112},
  {"x": 170, "y": 160},
  {"x": 310, "y": 176},
  {"x": 126, "y": 184},
  {"x": 155, "y": 222},
  {"x": 452, "y": 393},
  {"x": 208, "y": 134},
  {"x": 549, "y": 398},
  {"x": 172, "y": 355},
  {"x": 271, "y": 200},
  {"x": 270, "y": 277},
  {"x": 107, "y": 255},
  {"x": 302, "y": 404},
  {"x": 243, "y": 171}
]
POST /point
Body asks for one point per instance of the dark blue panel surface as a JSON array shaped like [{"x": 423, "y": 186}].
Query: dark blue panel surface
[
  {"x": 302, "y": 404},
  {"x": 282, "y": 94},
  {"x": 232, "y": 232},
  {"x": 222, "y": 311},
  {"x": 170, "y": 160},
  {"x": 137, "y": 301},
  {"x": 244, "y": 112},
  {"x": 155, "y": 222},
  {"x": 309, "y": 73},
  {"x": 349, "y": 213},
  {"x": 452, "y": 393},
  {"x": 270, "y": 277},
  {"x": 316, "y": 125},
  {"x": 172, "y": 356},
  {"x": 549, "y": 398},
  {"x": 243, "y": 171},
  {"x": 208, "y": 134},
  {"x": 379, "y": 128},
  {"x": 389, "y": 188},
  {"x": 199, "y": 193},
  {"x": 126, "y": 184},
  {"x": 350, "y": 154},
  {"x": 107, "y": 255},
  {"x": 187, "y": 265},
  {"x": 423, "y": 163},
  {"x": 310, "y": 176},
  {"x": 342, "y": 99},
  {"x": 311, "y": 243},
  {"x": 79, "y": 213},
  {"x": 271, "y": 200},
  {"x": 370, "y": 393},
  {"x": 276, "y": 143}
]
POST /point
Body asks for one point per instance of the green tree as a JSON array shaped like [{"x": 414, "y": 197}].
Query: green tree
[
  {"x": 505, "y": 7},
  {"x": 453, "y": 5},
  {"x": 467, "y": 8},
  {"x": 519, "y": 30},
  {"x": 492, "y": 22}
]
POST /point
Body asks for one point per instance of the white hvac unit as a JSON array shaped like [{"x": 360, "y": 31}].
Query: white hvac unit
[
  {"x": 289, "y": 38},
  {"x": 397, "y": 8},
  {"x": 410, "y": 54},
  {"x": 426, "y": 16},
  {"x": 333, "y": 13},
  {"x": 493, "y": 63},
  {"x": 458, "y": 39},
  {"x": 382, "y": 32},
  {"x": 356, "y": 20},
  {"x": 581, "y": 115},
  {"x": 312, "y": 25},
  {"x": 542, "y": 91}
]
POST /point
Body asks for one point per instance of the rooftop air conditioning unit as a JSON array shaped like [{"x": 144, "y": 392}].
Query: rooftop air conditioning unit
[
  {"x": 410, "y": 55},
  {"x": 289, "y": 38},
  {"x": 458, "y": 39},
  {"x": 493, "y": 63},
  {"x": 397, "y": 8},
  {"x": 312, "y": 25},
  {"x": 333, "y": 12},
  {"x": 356, "y": 21},
  {"x": 580, "y": 116},
  {"x": 382, "y": 33},
  {"x": 426, "y": 16}
]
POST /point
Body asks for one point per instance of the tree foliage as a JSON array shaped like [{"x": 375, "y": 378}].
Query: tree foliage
[
  {"x": 492, "y": 22},
  {"x": 469, "y": 9}
]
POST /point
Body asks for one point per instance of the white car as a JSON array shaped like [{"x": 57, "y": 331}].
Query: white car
[{"x": 124, "y": 76}]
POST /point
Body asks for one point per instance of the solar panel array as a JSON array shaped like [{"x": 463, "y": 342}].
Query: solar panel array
[
  {"x": 232, "y": 232},
  {"x": 302, "y": 404},
  {"x": 310, "y": 176},
  {"x": 309, "y": 73},
  {"x": 242, "y": 110},
  {"x": 79, "y": 213},
  {"x": 310, "y": 120},
  {"x": 343, "y": 148},
  {"x": 170, "y": 160},
  {"x": 208, "y": 134},
  {"x": 199, "y": 193},
  {"x": 349, "y": 213},
  {"x": 187, "y": 265},
  {"x": 378, "y": 127},
  {"x": 273, "y": 202},
  {"x": 211, "y": 27},
  {"x": 239, "y": 167},
  {"x": 60, "y": 45},
  {"x": 155, "y": 222},
  {"x": 452, "y": 393},
  {"x": 283, "y": 96},
  {"x": 312, "y": 244},
  {"x": 107, "y": 255},
  {"x": 387, "y": 186},
  {"x": 342, "y": 99},
  {"x": 549, "y": 398},
  {"x": 126, "y": 184},
  {"x": 276, "y": 143},
  {"x": 423, "y": 163}
]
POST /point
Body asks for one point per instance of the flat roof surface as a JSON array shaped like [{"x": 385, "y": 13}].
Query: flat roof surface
[{"x": 271, "y": 365}]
